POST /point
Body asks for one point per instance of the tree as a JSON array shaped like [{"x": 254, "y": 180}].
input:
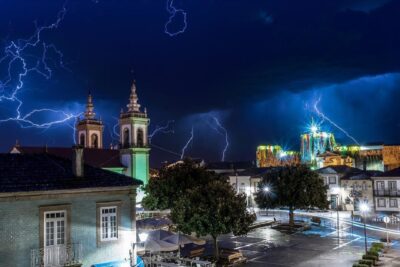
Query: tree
[
  {"x": 173, "y": 182},
  {"x": 212, "y": 209},
  {"x": 295, "y": 187},
  {"x": 200, "y": 201}
]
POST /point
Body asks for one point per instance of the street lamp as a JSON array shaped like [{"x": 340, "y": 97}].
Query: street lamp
[
  {"x": 364, "y": 209},
  {"x": 336, "y": 191},
  {"x": 267, "y": 190},
  {"x": 142, "y": 238}
]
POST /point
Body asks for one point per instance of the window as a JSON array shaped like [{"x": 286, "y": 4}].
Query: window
[
  {"x": 95, "y": 141},
  {"x": 82, "y": 140},
  {"x": 380, "y": 185},
  {"x": 393, "y": 202},
  {"x": 126, "y": 137},
  {"x": 55, "y": 223},
  {"x": 381, "y": 202},
  {"x": 392, "y": 185},
  {"x": 139, "y": 138},
  {"x": 108, "y": 220},
  {"x": 332, "y": 179},
  {"x": 364, "y": 186}
]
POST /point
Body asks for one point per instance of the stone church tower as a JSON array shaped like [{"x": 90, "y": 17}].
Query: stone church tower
[
  {"x": 134, "y": 147},
  {"x": 89, "y": 130}
]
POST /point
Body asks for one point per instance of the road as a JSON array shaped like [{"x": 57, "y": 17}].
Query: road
[{"x": 320, "y": 246}]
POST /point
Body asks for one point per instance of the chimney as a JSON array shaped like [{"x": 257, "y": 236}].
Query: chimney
[{"x": 77, "y": 161}]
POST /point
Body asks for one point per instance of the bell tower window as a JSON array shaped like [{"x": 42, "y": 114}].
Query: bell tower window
[
  {"x": 95, "y": 141},
  {"x": 126, "y": 137},
  {"x": 82, "y": 140},
  {"x": 139, "y": 138}
]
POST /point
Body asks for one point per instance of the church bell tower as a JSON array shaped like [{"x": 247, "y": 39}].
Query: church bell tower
[
  {"x": 134, "y": 148},
  {"x": 89, "y": 130}
]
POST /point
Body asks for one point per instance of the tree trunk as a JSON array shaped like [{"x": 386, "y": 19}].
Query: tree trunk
[
  {"x": 216, "y": 251},
  {"x": 291, "y": 217}
]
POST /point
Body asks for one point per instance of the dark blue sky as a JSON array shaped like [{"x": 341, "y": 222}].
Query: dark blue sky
[{"x": 258, "y": 66}]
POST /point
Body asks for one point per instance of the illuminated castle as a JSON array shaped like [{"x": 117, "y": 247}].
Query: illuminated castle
[
  {"x": 274, "y": 155},
  {"x": 314, "y": 143}
]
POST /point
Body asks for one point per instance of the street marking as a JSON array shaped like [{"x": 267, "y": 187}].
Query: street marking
[{"x": 345, "y": 244}]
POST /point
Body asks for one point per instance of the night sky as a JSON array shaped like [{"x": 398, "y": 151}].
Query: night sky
[{"x": 257, "y": 66}]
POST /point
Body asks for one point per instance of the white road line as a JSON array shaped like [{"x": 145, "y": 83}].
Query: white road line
[{"x": 345, "y": 244}]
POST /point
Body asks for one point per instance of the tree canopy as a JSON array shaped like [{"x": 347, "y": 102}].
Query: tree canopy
[
  {"x": 294, "y": 187},
  {"x": 201, "y": 201}
]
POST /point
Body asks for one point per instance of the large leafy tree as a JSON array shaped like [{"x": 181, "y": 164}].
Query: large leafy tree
[
  {"x": 212, "y": 209},
  {"x": 294, "y": 187},
  {"x": 173, "y": 182},
  {"x": 200, "y": 201}
]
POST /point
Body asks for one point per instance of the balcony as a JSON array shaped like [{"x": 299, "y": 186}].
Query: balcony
[
  {"x": 387, "y": 193},
  {"x": 57, "y": 256}
]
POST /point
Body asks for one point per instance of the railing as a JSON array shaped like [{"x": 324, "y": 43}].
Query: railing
[
  {"x": 57, "y": 256},
  {"x": 386, "y": 193}
]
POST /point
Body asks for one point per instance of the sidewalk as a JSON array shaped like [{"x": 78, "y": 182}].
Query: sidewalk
[{"x": 390, "y": 259}]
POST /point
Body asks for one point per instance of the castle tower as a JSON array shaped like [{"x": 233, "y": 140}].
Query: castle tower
[
  {"x": 89, "y": 130},
  {"x": 134, "y": 147}
]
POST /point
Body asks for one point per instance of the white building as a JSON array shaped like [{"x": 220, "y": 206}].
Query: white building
[
  {"x": 332, "y": 176},
  {"x": 387, "y": 191}
]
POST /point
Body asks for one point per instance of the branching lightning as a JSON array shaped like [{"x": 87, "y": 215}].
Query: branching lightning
[
  {"x": 173, "y": 12},
  {"x": 222, "y": 131},
  {"x": 325, "y": 118},
  {"x": 18, "y": 54},
  {"x": 166, "y": 129},
  {"x": 187, "y": 143}
]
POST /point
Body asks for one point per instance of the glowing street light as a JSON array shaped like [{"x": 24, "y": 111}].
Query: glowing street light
[
  {"x": 314, "y": 128},
  {"x": 364, "y": 208},
  {"x": 143, "y": 237},
  {"x": 266, "y": 189}
]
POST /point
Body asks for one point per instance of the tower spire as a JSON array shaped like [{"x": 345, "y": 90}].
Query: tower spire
[
  {"x": 89, "y": 113},
  {"x": 133, "y": 105}
]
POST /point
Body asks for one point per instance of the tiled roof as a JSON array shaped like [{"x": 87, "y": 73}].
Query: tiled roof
[
  {"x": 361, "y": 175},
  {"x": 338, "y": 169},
  {"x": 392, "y": 173},
  {"x": 101, "y": 158},
  {"x": 43, "y": 172},
  {"x": 240, "y": 165},
  {"x": 257, "y": 172}
]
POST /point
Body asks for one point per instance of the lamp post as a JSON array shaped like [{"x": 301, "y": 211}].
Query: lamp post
[
  {"x": 364, "y": 209},
  {"x": 266, "y": 190},
  {"x": 142, "y": 239},
  {"x": 386, "y": 219},
  {"x": 336, "y": 191}
]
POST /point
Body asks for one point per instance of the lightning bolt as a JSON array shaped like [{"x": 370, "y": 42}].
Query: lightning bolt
[
  {"x": 325, "y": 118},
  {"x": 173, "y": 12},
  {"x": 18, "y": 54},
  {"x": 161, "y": 129},
  {"x": 222, "y": 131},
  {"x": 187, "y": 143}
]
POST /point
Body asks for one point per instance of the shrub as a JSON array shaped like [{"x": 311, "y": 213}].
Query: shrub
[
  {"x": 373, "y": 253},
  {"x": 359, "y": 265},
  {"x": 366, "y": 262},
  {"x": 370, "y": 257},
  {"x": 378, "y": 245}
]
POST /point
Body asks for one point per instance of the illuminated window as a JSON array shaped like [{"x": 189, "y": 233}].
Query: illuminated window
[
  {"x": 108, "y": 220},
  {"x": 332, "y": 179}
]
